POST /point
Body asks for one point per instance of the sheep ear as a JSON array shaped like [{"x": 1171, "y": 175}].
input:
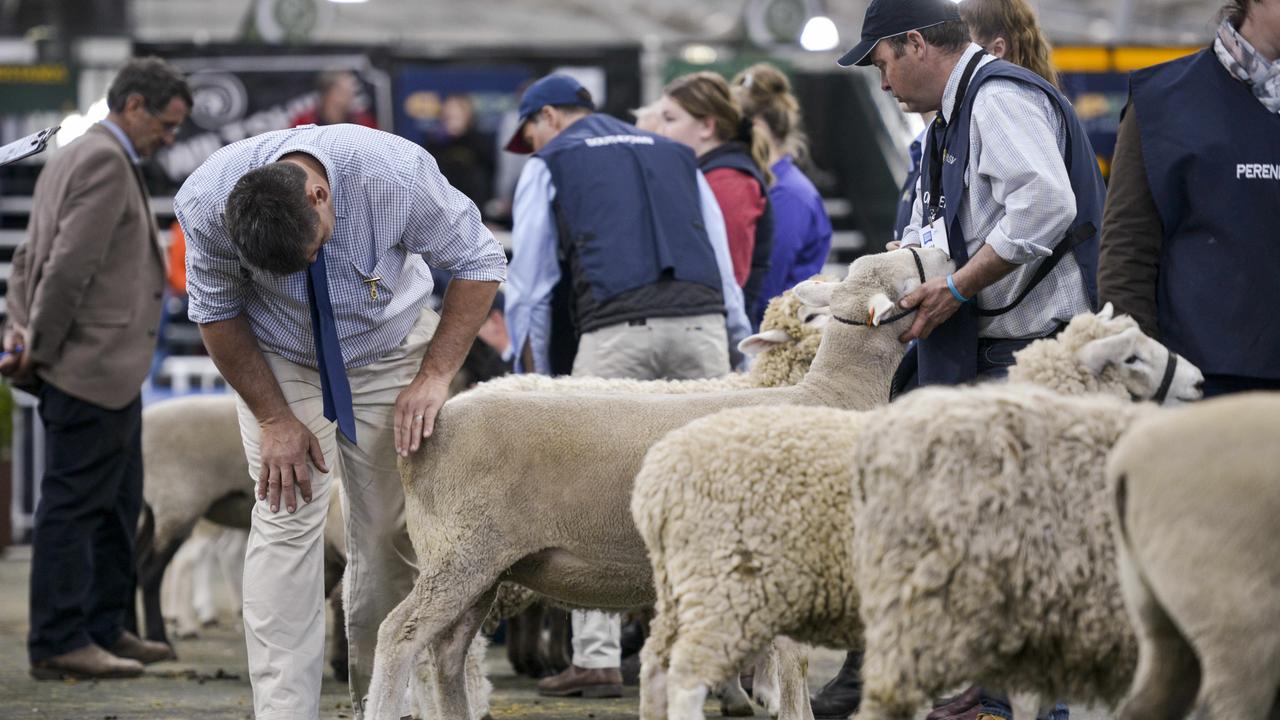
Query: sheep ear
[
  {"x": 814, "y": 293},
  {"x": 761, "y": 341},
  {"x": 1107, "y": 312},
  {"x": 878, "y": 307},
  {"x": 1097, "y": 354}
]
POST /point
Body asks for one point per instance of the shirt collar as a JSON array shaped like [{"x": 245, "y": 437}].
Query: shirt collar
[
  {"x": 339, "y": 201},
  {"x": 124, "y": 140},
  {"x": 953, "y": 82}
]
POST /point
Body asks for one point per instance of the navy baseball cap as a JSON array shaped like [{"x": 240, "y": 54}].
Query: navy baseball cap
[
  {"x": 550, "y": 90},
  {"x": 886, "y": 18}
]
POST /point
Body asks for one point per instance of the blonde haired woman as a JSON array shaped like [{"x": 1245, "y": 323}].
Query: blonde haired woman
[
  {"x": 1008, "y": 29},
  {"x": 699, "y": 111},
  {"x": 801, "y": 228}
]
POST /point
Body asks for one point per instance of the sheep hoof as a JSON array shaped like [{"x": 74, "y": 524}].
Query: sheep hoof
[{"x": 736, "y": 708}]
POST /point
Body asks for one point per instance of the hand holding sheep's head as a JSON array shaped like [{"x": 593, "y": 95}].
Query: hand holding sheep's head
[
  {"x": 874, "y": 285},
  {"x": 1147, "y": 369}
]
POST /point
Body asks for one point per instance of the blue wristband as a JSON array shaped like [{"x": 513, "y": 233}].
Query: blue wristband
[{"x": 951, "y": 285}]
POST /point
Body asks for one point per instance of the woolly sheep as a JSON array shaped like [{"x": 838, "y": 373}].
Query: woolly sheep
[
  {"x": 983, "y": 548},
  {"x": 534, "y": 487},
  {"x": 1197, "y": 503},
  {"x": 778, "y": 479}
]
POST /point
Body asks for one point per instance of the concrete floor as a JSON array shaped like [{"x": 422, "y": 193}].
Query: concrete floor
[{"x": 210, "y": 680}]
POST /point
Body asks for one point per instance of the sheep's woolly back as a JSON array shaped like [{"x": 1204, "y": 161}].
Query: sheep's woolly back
[
  {"x": 1052, "y": 363},
  {"x": 779, "y": 366},
  {"x": 983, "y": 544}
]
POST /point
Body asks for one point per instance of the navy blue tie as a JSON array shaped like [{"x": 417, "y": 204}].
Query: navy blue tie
[{"x": 333, "y": 371}]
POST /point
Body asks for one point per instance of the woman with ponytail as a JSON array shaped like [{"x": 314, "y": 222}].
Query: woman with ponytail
[
  {"x": 1008, "y": 30},
  {"x": 699, "y": 111},
  {"x": 801, "y": 228}
]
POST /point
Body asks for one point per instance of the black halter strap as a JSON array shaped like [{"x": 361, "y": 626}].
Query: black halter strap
[
  {"x": 892, "y": 318},
  {"x": 1170, "y": 367}
]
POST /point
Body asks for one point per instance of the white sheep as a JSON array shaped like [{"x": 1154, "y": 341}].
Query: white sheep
[
  {"x": 983, "y": 548},
  {"x": 1198, "y": 513},
  {"x": 776, "y": 560},
  {"x": 535, "y": 487}
]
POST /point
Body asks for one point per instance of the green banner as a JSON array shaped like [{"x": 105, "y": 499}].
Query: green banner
[{"x": 34, "y": 88}]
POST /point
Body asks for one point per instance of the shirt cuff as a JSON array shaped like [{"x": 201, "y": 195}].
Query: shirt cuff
[{"x": 1018, "y": 252}]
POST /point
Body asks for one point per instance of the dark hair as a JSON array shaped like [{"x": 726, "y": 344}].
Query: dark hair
[
  {"x": 952, "y": 36},
  {"x": 1237, "y": 10},
  {"x": 270, "y": 220},
  {"x": 155, "y": 80}
]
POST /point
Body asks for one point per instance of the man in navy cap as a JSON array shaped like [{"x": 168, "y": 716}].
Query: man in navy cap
[
  {"x": 1009, "y": 187},
  {"x": 628, "y": 220}
]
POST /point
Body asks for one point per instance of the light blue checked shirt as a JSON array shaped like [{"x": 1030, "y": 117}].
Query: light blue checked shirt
[{"x": 395, "y": 213}]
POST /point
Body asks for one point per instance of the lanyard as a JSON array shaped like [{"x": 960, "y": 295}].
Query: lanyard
[{"x": 937, "y": 137}]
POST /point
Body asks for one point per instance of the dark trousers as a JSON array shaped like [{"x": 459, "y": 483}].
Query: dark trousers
[
  {"x": 1215, "y": 385},
  {"x": 82, "y": 560}
]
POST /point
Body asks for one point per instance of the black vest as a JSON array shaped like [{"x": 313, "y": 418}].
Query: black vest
[
  {"x": 1212, "y": 153},
  {"x": 949, "y": 355},
  {"x": 630, "y": 224},
  {"x": 737, "y": 155}
]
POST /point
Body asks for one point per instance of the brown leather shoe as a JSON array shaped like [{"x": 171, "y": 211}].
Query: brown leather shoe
[
  {"x": 90, "y": 662},
  {"x": 144, "y": 651},
  {"x": 587, "y": 682}
]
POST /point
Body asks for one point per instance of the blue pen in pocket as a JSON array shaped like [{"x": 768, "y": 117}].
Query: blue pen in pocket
[{"x": 17, "y": 350}]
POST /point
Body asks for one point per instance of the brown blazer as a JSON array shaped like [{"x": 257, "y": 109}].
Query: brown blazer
[{"x": 88, "y": 283}]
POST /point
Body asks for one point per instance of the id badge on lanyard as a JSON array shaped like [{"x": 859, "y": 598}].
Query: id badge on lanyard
[{"x": 934, "y": 235}]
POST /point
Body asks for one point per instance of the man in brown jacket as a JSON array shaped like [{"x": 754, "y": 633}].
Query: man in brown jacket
[{"x": 84, "y": 305}]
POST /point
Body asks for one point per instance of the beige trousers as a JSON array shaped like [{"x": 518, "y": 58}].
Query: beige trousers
[
  {"x": 677, "y": 348},
  {"x": 283, "y": 567}
]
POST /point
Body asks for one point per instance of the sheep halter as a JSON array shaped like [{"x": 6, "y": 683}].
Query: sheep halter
[
  {"x": 893, "y": 318},
  {"x": 1170, "y": 366}
]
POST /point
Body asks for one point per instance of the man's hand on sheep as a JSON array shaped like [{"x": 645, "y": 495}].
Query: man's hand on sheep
[
  {"x": 934, "y": 304},
  {"x": 416, "y": 409},
  {"x": 286, "y": 443}
]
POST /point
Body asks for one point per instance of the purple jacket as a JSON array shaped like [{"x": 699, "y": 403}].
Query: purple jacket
[{"x": 801, "y": 233}]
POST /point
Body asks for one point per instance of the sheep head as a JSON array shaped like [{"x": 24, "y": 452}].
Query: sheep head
[
  {"x": 870, "y": 292},
  {"x": 790, "y": 333},
  {"x": 1104, "y": 352}
]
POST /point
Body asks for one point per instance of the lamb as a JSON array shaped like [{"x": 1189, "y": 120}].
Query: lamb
[
  {"x": 534, "y": 487},
  {"x": 983, "y": 548},
  {"x": 726, "y": 588},
  {"x": 1196, "y": 505}
]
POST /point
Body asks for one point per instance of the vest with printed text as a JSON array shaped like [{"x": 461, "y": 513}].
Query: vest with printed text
[
  {"x": 629, "y": 218},
  {"x": 1212, "y": 155}
]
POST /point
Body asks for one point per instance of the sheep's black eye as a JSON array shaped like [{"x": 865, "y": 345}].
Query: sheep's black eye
[{"x": 1132, "y": 360}]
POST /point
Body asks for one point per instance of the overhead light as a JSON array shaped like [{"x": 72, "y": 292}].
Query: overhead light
[
  {"x": 352, "y": 2},
  {"x": 820, "y": 34},
  {"x": 698, "y": 54}
]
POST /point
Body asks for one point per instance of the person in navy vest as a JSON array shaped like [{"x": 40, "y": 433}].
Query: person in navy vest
[
  {"x": 1009, "y": 187},
  {"x": 1190, "y": 248},
  {"x": 633, "y": 222}
]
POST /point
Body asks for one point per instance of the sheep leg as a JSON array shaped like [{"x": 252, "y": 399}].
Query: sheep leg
[
  {"x": 1025, "y": 705},
  {"x": 890, "y": 687},
  {"x": 402, "y": 638},
  {"x": 792, "y": 670},
  {"x": 1168, "y": 673},
  {"x": 766, "y": 683},
  {"x": 151, "y": 567},
  {"x": 733, "y": 699},
  {"x": 654, "y": 659},
  {"x": 703, "y": 656},
  {"x": 451, "y": 661},
  {"x": 1239, "y": 679}
]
